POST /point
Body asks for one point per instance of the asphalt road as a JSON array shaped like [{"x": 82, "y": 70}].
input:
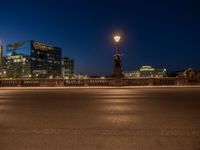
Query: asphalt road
[{"x": 100, "y": 119}]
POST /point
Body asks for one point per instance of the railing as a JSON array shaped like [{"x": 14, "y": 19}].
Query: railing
[{"x": 99, "y": 82}]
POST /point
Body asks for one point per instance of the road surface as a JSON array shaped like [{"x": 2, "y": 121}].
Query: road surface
[{"x": 100, "y": 118}]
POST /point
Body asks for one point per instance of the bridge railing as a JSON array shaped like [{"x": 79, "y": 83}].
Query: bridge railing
[{"x": 99, "y": 82}]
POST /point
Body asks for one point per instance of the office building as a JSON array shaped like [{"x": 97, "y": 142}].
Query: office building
[
  {"x": 31, "y": 59},
  {"x": 67, "y": 67}
]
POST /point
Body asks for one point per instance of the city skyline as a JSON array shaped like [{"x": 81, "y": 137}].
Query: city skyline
[{"x": 162, "y": 34}]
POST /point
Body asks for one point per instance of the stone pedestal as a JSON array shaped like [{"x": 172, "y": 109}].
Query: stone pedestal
[{"x": 117, "y": 71}]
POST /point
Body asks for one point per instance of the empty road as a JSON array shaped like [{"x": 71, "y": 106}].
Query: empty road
[{"x": 100, "y": 118}]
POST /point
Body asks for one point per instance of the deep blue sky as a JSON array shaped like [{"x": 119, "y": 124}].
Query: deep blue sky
[{"x": 162, "y": 33}]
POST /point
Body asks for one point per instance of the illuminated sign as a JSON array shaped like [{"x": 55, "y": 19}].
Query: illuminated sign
[
  {"x": 16, "y": 45},
  {"x": 43, "y": 47}
]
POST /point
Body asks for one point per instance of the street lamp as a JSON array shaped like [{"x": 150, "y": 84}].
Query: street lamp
[{"x": 117, "y": 71}]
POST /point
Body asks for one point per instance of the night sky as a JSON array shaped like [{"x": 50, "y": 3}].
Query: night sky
[{"x": 161, "y": 33}]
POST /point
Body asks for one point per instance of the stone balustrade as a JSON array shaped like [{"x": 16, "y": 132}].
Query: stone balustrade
[{"x": 99, "y": 82}]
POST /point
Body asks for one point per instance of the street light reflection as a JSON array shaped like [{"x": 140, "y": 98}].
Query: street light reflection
[
  {"x": 116, "y": 101},
  {"x": 119, "y": 108}
]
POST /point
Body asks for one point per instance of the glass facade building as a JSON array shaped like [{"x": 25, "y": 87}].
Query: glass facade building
[
  {"x": 67, "y": 67},
  {"x": 33, "y": 59}
]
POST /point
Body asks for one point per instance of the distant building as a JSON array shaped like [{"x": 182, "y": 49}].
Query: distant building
[
  {"x": 190, "y": 73},
  {"x": 149, "y": 71},
  {"x": 146, "y": 71},
  {"x": 33, "y": 59},
  {"x": 3, "y": 68},
  {"x": 67, "y": 68},
  {"x": 1, "y": 56},
  {"x": 81, "y": 76},
  {"x": 131, "y": 74},
  {"x": 198, "y": 74},
  {"x": 176, "y": 73},
  {"x": 1, "y": 61}
]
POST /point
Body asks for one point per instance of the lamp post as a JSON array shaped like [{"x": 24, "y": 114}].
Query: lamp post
[{"x": 117, "y": 71}]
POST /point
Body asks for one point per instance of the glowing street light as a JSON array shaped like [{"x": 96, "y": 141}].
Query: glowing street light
[{"x": 117, "y": 38}]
